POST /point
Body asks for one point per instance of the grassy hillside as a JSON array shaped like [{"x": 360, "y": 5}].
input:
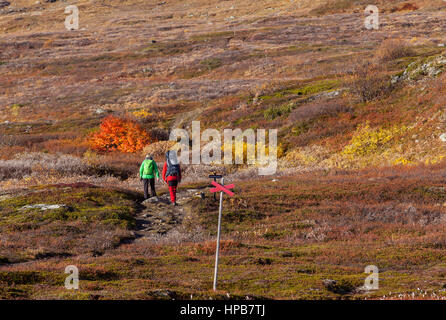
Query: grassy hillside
[
  {"x": 320, "y": 79},
  {"x": 361, "y": 126}
]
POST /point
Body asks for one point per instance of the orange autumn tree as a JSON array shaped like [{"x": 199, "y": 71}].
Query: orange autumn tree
[{"x": 119, "y": 134}]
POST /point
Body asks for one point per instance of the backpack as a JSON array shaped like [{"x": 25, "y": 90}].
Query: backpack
[
  {"x": 172, "y": 169},
  {"x": 148, "y": 167}
]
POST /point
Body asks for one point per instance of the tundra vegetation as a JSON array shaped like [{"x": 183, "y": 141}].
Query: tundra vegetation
[{"x": 361, "y": 123}]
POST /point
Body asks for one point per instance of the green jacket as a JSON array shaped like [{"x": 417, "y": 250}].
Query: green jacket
[{"x": 147, "y": 169}]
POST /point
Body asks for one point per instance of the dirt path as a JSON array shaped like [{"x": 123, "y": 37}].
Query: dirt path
[{"x": 160, "y": 217}]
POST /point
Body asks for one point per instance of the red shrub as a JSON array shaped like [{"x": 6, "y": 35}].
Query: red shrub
[{"x": 119, "y": 134}]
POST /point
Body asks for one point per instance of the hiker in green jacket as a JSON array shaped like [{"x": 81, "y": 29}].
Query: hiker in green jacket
[{"x": 147, "y": 172}]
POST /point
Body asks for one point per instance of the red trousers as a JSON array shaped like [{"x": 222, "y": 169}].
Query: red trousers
[
  {"x": 173, "y": 193},
  {"x": 173, "y": 190}
]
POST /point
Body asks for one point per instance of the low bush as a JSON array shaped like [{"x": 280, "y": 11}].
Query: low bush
[
  {"x": 369, "y": 82},
  {"x": 117, "y": 164},
  {"x": 31, "y": 163},
  {"x": 391, "y": 49},
  {"x": 318, "y": 109}
]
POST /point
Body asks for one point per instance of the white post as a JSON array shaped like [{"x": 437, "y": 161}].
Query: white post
[{"x": 217, "y": 251}]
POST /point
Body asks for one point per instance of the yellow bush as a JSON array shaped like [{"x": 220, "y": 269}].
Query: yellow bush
[
  {"x": 434, "y": 160},
  {"x": 402, "y": 161},
  {"x": 15, "y": 109},
  {"x": 91, "y": 157},
  {"x": 367, "y": 140},
  {"x": 142, "y": 114}
]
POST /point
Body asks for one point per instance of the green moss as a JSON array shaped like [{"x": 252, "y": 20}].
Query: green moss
[
  {"x": 300, "y": 128},
  {"x": 435, "y": 193},
  {"x": 310, "y": 89},
  {"x": 97, "y": 274},
  {"x": 275, "y": 112},
  {"x": 30, "y": 277},
  {"x": 212, "y": 36},
  {"x": 9, "y": 293},
  {"x": 88, "y": 204},
  {"x": 274, "y": 234},
  {"x": 332, "y": 7},
  {"x": 317, "y": 87},
  {"x": 241, "y": 215},
  {"x": 211, "y": 63}
]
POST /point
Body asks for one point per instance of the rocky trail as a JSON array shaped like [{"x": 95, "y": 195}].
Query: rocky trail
[{"x": 159, "y": 217}]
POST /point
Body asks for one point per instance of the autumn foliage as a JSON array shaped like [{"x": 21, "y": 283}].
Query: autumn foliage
[{"x": 117, "y": 134}]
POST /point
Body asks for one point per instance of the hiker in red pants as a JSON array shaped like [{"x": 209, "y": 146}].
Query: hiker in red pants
[{"x": 172, "y": 174}]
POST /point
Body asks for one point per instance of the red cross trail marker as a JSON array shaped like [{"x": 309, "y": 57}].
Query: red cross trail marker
[
  {"x": 222, "y": 188},
  {"x": 225, "y": 189}
]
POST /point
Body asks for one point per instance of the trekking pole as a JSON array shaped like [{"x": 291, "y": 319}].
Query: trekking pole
[{"x": 217, "y": 251}]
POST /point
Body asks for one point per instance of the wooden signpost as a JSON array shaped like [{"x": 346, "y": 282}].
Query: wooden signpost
[
  {"x": 215, "y": 177},
  {"x": 219, "y": 188}
]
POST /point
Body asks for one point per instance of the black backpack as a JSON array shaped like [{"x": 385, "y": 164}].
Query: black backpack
[{"x": 172, "y": 169}]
